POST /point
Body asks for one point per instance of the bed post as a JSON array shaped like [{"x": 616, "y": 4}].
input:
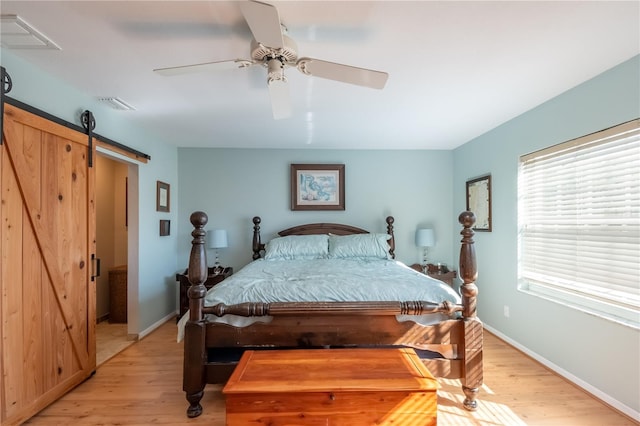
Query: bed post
[
  {"x": 392, "y": 241},
  {"x": 472, "y": 374},
  {"x": 193, "y": 379},
  {"x": 257, "y": 244}
]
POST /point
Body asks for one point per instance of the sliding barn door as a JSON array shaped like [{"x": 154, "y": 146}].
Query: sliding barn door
[{"x": 47, "y": 240}]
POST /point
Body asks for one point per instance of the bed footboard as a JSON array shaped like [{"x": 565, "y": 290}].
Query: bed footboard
[{"x": 259, "y": 309}]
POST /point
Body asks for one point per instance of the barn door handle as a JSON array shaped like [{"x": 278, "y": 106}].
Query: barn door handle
[{"x": 95, "y": 265}]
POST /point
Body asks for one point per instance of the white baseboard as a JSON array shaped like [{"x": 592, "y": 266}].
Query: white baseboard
[
  {"x": 573, "y": 379},
  {"x": 153, "y": 326}
]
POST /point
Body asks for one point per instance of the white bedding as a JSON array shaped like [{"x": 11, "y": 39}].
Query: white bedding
[{"x": 325, "y": 280}]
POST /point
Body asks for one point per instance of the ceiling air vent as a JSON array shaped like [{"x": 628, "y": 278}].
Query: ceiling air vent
[
  {"x": 17, "y": 34},
  {"x": 117, "y": 103}
]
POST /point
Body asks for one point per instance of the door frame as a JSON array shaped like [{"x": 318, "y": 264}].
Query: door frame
[{"x": 133, "y": 238}]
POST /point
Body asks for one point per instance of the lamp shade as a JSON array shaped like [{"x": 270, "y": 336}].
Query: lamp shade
[
  {"x": 425, "y": 238},
  {"x": 217, "y": 238}
]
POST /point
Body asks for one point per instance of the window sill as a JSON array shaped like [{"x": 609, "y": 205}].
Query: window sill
[{"x": 616, "y": 314}]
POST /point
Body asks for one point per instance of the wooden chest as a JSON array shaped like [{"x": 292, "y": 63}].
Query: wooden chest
[{"x": 331, "y": 387}]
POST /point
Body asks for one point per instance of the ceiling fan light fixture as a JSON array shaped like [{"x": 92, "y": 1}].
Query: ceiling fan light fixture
[
  {"x": 278, "y": 89},
  {"x": 275, "y": 71}
]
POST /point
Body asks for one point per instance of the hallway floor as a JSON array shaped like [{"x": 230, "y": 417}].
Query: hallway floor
[{"x": 111, "y": 339}]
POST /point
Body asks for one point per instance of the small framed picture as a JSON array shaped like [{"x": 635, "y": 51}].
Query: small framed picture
[
  {"x": 165, "y": 227},
  {"x": 317, "y": 187},
  {"x": 479, "y": 202},
  {"x": 163, "y": 196}
]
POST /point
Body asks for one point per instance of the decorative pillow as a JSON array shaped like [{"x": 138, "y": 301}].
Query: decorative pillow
[
  {"x": 294, "y": 247},
  {"x": 359, "y": 246}
]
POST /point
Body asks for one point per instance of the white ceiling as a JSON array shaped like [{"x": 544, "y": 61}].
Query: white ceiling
[{"x": 456, "y": 69}]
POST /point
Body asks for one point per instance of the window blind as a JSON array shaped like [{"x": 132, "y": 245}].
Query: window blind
[{"x": 579, "y": 222}]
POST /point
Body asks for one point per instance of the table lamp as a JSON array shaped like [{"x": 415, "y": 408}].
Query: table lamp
[
  {"x": 217, "y": 240},
  {"x": 425, "y": 238}
]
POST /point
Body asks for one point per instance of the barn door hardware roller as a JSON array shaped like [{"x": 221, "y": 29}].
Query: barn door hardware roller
[
  {"x": 89, "y": 124},
  {"x": 7, "y": 85}
]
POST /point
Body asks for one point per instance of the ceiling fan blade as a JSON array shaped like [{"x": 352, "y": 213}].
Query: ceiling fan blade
[
  {"x": 264, "y": 21},
  {"x": 204, "y": 67},
  {"x": 344, "y": 73},
  {"x": 280, "y": 99}
]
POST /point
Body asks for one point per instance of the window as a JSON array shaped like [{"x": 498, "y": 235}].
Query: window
[{"x": 579, "y": 223}]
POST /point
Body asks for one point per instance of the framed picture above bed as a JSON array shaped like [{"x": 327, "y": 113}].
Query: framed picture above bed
[
  {"x": 317, "y": 187},
  {"x": 479, "y": 202}
]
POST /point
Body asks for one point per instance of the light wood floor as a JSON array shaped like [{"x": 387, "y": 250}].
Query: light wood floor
[{"x": 143, "y": 385}]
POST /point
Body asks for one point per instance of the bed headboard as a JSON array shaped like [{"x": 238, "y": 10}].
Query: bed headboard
[{"x": 318, "y": 228}]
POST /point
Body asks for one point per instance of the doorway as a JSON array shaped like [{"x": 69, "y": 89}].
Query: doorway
[{"x": 113, "y": 291}]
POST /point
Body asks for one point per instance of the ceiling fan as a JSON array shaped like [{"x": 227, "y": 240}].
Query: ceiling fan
[{"x": 276, "y": 51}]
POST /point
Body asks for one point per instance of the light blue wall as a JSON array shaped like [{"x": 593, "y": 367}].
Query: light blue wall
[
  {"x": 417, "y": 187},
  {"x": 156, "y": 274},
  {"x": 602, "y": 354},
  {"x": 233, "y": 185}
]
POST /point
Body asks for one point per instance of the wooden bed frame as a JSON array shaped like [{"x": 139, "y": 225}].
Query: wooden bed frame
[{"x": 457, "y": 342}]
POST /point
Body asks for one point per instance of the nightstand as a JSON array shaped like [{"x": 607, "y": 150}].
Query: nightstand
[
  {"x": 212, "y": 279},
  {"x": 446, "y": 277}
]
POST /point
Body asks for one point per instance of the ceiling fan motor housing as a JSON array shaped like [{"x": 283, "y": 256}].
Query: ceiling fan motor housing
[{"x": 287, "y": 55}]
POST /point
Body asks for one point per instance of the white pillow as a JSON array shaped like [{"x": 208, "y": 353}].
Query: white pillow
[
  {"x": 364, "y": 246},
  {"x": 294, "y": 247}
]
